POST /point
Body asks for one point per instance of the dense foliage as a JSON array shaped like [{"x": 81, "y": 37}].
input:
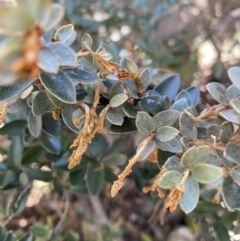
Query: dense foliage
[{"x": 55, "y": 103}]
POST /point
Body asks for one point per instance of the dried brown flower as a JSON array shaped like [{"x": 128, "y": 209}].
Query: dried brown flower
[{"x": 3, "y": 112}]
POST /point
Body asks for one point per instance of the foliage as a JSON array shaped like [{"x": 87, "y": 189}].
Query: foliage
[{"x": 54, "y": 99}]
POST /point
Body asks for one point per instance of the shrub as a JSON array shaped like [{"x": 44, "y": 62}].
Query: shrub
[{"x": 55, "y": 102}]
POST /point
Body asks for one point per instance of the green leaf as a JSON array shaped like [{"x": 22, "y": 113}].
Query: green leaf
[
  {"x": 203, "y": 153},
  {"x": 115, "y": 116},
  {"x": 86, "y": 42},
  {"x": 188, "y": 127},
  {"x": 166, "y": 133},
  {"x": 147, "y": 151},
  {"x": 150, "y": 106},
  {"x": 13, "y": 128},
  {"x": 214, "y": 130},
  {"x": 67, "y": 114},
  {"x": 114, "y": 159},
  {"x": 15, "y": 152},
  {"x": 47, "y": 60},
  {"x": 20, "y": 203},
  {"x": 189, "y": 157},
  {"x": 227, "y": 132},
  {"x": 231, "y": 194},
  {"x": 184, "y": 94},
  {"x": 95, "y": 177},
  {"x": 169, "y": 86},
  {"x": 144, "y": 123},
  {"x": 169, "y": 179},
  {"x": 146, "y": 78},
  {"x": 72, "y": 236},
  {"x": 172, "y": 146},
  {"x": 194, "y": 92},
  {"x": 230, "y": 115},
  {"x": 165, "y": 118},
  {"x": 127, "y": 126},
  {"x": 190, "y": 197},
  {"x": 234, "y": 75},
  {"x": 79, "y": 75},
  {"x": 36, "y": 174},
  {"x": 64, "y": 33},
  {"x": 65, "y": 55},
  {"x": 118, "y": 100},
  {"x": 32, "y": 155},
  {"x": 236, "y": 105},
  {"x": 34, "y": 124},
  {"x": 41, "y": 104},
  {"x": 10, "y": 236},
  {"x": 10, "y": 91},
  {"x": 116, "y": 89},
  {"x": 27, "y": 237},
  {"x": 39, "y": 230},
  {"x": 173, "y": 163},
  {"x": 129, "y": 64},
  {"x": 205, "y": 173},
  {"x": 129, "y": 110},
  {"x": 221, "y": 231},
  {"x": 5, "y": 178},
  {"x": 218, "y": 92},
  {"x": 77, "y": 176},
  {"x": 232, "y": 92},
  {"x": 235, "y": 174},
  {"x": 180, "y": 105},
  {"x": 50, "y": 143},
  {"x": 56, "y": 102},
  {"x": 60, "y": 86},
  {"x": 232, "y": 152},
  {"x": 50, "y": 125}
]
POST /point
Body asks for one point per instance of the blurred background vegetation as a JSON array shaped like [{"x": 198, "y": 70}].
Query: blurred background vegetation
[{"x": 198, "y": 39}]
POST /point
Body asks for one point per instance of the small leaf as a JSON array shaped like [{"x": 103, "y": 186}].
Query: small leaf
[
  {"x": 5, "y": 178},
  {"x": 50, "y": 143},
  {"x": 47, "y": 60},
  {"x": 169, "y": 86},
  {"x": 205, "y": 173},
  {"x": 27, "y": 237},
  {"x": 166, "y": 133},
  {"x": 65, "y": 55},
  {"x": 41, "y": 104},
  {"x": 203, "y": 153},
  {"x": 86, "y": 42},
  {"x": 180, "y": 104},
  {"x": 114, "y": 159},
  {"x": 169, "y": 179},
  {"x": 118, "y": 100},
  {"x": 235, "y": 174},
  {"x": 10, "y": 236},
  {"x": 129, "y": 64},
  {"x": 231, "y": 116},
  {"x": 232, "y": 92},
  {"x": 20, "y": 203},
  {"x": 129, "y": 110},
  {"x": 36, "y": 174},
  {"x": 184, "y": 94},
  {"x": 218, "y": 92},
  {"x": 173, "y": 163},
  {"x": 10, "y": 91},
  {"x": 32, "y": 155},
  {"x": 194, "y": 92},
  {"x": 236, "y": 105},
  {"x": 221, "y": 231},
  {"x": 214, "y": 130},
  {"x": 234, "y": 75},
  {"x": 227, "y": 132},
  {"x": 78, "y": 113},
  {"x": 64, "y": 33},
  {"x": 144, "y": 123},
  {"x": 13, "y": 128},
  {"x": 172, "y": 146},
  {"x": 165, "y": 118},
  {"x": 189, "y": 157},
  {"x": 95, "y": 178},
  {"x": 232, "y": 152},
  {"x": 190, "y": 197},
  {"x": 146, "y": 78},
  {"x": 60, "y": 86},
  {"x": 56, "y": 102},
  {"x": 50, "y": 125},
  {"x": 34, "y": 124},
  {"x": 15, "y": 152},
  {"x": 81, "y": 76},
  {"x": 231, "y": 194},
  {"x": 187, "y": 126},
  {"x": 116, "y": 89},
  {"x": 115, "y": 116},
  {"x": 150, "y": 106}
]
